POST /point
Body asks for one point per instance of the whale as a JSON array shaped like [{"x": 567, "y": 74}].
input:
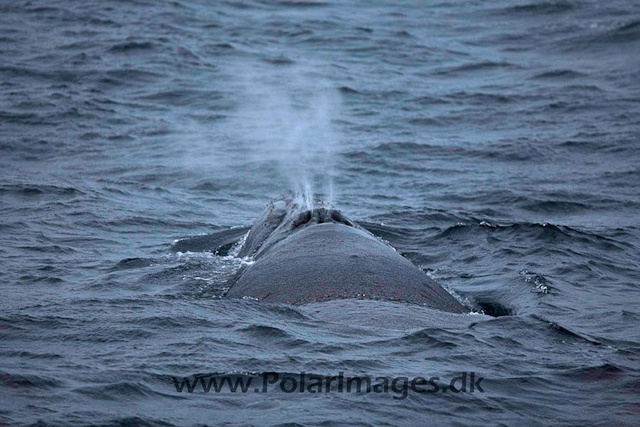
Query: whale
[{"x": 304, "y": 253}]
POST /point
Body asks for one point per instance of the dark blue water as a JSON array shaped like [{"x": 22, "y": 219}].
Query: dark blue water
[{"x": 494, "y": 144}]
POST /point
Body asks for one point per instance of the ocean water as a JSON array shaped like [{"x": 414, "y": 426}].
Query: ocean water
[{"x": 494, "y": 144}]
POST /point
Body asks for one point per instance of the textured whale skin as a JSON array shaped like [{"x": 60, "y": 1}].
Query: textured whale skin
[{"x": 303, "y": 256}]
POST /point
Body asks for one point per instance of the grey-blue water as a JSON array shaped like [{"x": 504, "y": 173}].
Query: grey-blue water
[{"x": 494, "y": 144}]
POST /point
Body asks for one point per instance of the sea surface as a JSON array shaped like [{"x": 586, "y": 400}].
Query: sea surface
[{"x": 495, "y": 144}]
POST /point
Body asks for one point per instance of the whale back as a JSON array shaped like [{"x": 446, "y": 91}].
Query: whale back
[{"x": 335, "y": 260}]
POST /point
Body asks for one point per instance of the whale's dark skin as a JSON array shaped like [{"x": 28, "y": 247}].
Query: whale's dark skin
[{"x": 303, "y": 256}]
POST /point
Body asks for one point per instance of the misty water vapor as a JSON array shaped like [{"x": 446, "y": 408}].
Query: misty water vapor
[{"x": 288, "y": 118}]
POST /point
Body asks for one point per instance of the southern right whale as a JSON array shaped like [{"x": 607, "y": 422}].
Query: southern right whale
[{"x": 307, "y": 255}]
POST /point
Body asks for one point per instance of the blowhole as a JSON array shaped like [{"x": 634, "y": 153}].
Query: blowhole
[
  {"x": 338, "y": 217},
  {"x": 303, "y": 218},
  {"x": 321, "y": 216}
]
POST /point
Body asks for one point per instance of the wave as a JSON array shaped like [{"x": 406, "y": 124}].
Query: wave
[
  {"x": 264, "y": 332},
  {"x": 559, "y": 75},
  {"x": 541, "y": 8},
  {"x": 135, "y": 421},
  {"x": 532, "y": 330},
  {"x": 130, "y": 46},
  {"x": 537, "y": 232},
  {"x": 35, "y": 382},
  {"x": 613, "y": 38},
  {"x": 30, "y": 355},
  {"x": 604, "y": 372},
  {"x": 304, "y": 4},
  {"x": 509, "y": 151},
  {"x": 475, "y": 67},
  {"x": 124, "y": 391},
  {"x": 31, "y": 190},
  {"x": 625, "y": 33},
  {"x": 428, "y": 338}
]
